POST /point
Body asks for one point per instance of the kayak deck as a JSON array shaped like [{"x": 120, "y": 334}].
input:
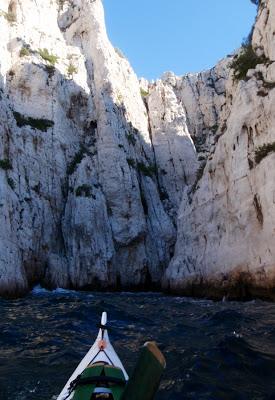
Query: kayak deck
[{"x": 109, "y": 381}]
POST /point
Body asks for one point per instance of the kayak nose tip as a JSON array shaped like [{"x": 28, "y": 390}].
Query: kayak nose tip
[{"x": 104, "y": 318}]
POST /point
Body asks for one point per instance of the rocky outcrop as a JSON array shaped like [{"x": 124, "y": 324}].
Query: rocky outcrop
[
  {"x": 226, "y": 222},
  {"x": 263, "y": 34},
  {"x": 101, "y": 174},
  {"x": 83, "y": 197}
]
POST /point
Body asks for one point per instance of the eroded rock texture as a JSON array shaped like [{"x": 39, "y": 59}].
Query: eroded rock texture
[
  {"x": 225, "y": 243},
  {"x": 101, "y": 174},
  {"x": 84, "y": 202}
]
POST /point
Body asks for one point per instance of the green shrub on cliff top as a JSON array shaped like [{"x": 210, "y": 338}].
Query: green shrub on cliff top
[
  {"x": 143, "y": 92},
  {"x": 71, "y": 70},
  {"x": 24, "y": 52},
  {"x": 247, "y": 59},
  {"x": 50, "y": 58}
]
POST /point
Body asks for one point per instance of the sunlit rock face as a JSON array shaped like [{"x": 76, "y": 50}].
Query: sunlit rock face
[
  {"x": 225, "y": 242},
  {"x": 101, "y": 173},
  {"x": 84, "y": 200},
  {"x": 263, "y": 35}
]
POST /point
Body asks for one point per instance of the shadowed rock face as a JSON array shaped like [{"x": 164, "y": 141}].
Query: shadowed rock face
[{"x": 100, "y": 174}]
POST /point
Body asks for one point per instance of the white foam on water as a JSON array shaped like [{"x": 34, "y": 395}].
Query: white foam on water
[{"x": 39, "y": 290}]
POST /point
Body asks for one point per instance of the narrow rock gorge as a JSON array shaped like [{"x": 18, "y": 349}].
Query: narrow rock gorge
[{"x": 110, "y": 182}]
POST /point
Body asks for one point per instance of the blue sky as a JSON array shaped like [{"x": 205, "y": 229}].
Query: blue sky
[{"x": 177, "y": 35}]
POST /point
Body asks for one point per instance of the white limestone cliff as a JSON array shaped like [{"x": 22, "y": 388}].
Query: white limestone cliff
[
  {"x": 100, "y": 173},
  {"x": 226, "y": 221},
  {"x": 81, "y": 196}
]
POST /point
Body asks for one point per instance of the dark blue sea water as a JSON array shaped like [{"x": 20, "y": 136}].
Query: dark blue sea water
[{"x": 213, "y": 350}]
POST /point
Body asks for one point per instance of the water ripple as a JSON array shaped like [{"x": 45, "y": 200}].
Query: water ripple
[{"x": 214, "y": 351}]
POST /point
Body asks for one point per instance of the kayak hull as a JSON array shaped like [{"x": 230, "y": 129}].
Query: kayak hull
[{"x": 102, "y": 352}]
